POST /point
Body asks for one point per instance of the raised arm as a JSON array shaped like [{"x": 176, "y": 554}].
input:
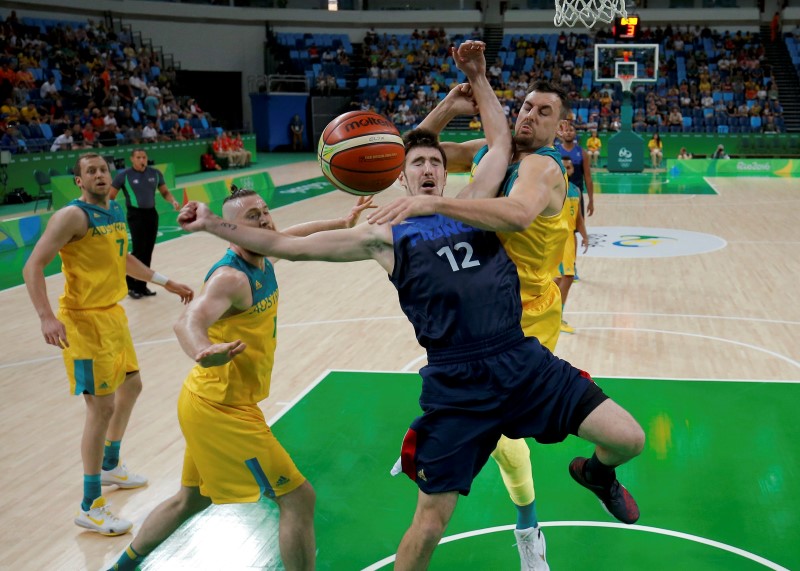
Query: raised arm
[
  {"x": 458, "y": 101},
  {"x": 227, "y": 289},
  {"x": 471, "y": 60}
]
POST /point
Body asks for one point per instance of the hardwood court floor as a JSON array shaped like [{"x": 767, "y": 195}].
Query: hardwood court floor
[{"x": 731, "y": 314}]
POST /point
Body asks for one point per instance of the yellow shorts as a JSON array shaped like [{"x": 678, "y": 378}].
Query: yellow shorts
[
  {"x": 231, "y": 453},
  {"x": 567, "y": 266},
  {"x": 541, "y": 317},
  {"x": 100, "y": 351}
]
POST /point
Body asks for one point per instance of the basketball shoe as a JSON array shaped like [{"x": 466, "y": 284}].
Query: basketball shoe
[
  {"x": 122, "y": 477},
  {"x": 532, "y": 549},
  {"x": 566, "y": 327},
  {"x": 615, "y": 498},
  {"x": 100, "y": 519}
]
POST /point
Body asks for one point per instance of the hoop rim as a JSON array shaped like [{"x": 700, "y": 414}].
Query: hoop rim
[{"x": 626, "y": 81}]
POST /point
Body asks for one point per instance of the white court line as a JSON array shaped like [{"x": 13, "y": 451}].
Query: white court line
[
  {"x": 299, "y": 397},
  {"x": 645, "y": 528},
  {"x": 699, "y": 336},
  {"x": 413, "y": 363},
  {"x": 690, "y": 315}
]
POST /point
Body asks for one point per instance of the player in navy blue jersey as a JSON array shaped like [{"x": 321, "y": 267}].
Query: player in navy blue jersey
[{"x": 484, "y": 378}]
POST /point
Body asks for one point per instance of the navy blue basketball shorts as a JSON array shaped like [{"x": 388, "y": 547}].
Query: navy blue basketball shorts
[{"x": 524, "y": 391}]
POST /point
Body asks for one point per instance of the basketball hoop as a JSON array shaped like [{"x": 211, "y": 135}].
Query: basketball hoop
[
  {"x": 627, "y": 82},
  {"x": 568, "y": 12}
]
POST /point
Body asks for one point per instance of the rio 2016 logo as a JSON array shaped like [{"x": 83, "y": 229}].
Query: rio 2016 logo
[
  {"x": 640, "y": 241},
  {"x": 624, "y": 153}
]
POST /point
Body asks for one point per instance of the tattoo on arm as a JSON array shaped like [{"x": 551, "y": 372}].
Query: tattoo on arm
[{"x": 228, "y": 225}]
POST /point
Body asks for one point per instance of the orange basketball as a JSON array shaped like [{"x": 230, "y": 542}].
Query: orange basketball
[{"x": 361, "y": 152}]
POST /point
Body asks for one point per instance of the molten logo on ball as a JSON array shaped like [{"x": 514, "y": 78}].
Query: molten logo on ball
[{"x": 373, "y": 119}]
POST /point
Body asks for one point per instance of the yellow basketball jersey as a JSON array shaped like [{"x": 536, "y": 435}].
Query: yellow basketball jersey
[
  {"x": 94, "y": 266},
  {"x": 536, "y": 251},
  {"x": 246, "y": 378},
  {"x": 572, "y": 206}
]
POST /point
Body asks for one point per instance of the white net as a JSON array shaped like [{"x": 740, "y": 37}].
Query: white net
[{"x": 568, "y": 12}]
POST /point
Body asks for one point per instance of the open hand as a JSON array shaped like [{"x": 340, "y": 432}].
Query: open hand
[
  {"x": 219, "y": 353},
  {"x": 362, "y": 204}
]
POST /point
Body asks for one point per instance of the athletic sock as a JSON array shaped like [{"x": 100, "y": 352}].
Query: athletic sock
[
  {"x": 91, "y": 490},
  {"x": 598, "y": 473},
  {"x": 526, "y": 516},
  {"x": 128, "y": 561},
  {"x": 111, "y": 454}
]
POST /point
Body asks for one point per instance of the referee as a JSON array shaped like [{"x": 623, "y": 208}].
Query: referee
[{"x": 139, "y": 184}]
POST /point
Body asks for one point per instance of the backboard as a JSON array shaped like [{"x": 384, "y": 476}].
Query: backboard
[{"x": 637, "y": 62}]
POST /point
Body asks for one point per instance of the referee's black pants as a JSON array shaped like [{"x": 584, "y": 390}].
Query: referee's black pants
[{"x": 143, "y": 226}]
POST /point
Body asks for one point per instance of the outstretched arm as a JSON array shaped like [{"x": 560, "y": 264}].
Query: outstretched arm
[
  {"x": 308, "y": 228},
  {"x": 226, "y": 289},
  {"x": 353, "y": 244}
]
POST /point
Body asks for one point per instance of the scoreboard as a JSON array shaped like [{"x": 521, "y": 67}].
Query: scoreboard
[{"x": 627, "y": 28}]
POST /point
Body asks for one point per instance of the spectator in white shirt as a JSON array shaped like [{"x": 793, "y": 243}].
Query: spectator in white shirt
[
  {"x": 62, "y": 142},
  {"x": 149, "y": 133},
  {"x": 48, "y": 89}
]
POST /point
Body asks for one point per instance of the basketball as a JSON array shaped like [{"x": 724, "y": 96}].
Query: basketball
[{"x": 361, "y": 152}]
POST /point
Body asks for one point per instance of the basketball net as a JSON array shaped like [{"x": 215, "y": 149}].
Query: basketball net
[
  {"x": 568, "y": 12},
  {"x": 626, "y": 81}
]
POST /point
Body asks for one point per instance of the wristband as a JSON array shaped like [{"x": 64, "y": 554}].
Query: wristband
[{"x": 159, "y": 279}]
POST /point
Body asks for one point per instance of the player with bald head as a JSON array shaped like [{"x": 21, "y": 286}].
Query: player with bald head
[{"x": 231, "y": 454}]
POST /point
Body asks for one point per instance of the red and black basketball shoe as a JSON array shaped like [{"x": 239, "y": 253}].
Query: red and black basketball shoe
[{"x": 615, "y": 498}]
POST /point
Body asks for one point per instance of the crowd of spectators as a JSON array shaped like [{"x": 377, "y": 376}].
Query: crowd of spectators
[
  {"x": 407, "y": 74},
  {"x": 708, "y": 82},
  {"x": 67, "y": 85}
]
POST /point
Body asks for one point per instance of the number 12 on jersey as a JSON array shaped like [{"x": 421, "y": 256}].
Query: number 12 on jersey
[{"x": 467, "y": 262}]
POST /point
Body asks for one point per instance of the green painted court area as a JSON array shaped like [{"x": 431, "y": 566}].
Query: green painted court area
[
  {"x": 649, "y": 183},
  {"x": 718, "y": 486}
]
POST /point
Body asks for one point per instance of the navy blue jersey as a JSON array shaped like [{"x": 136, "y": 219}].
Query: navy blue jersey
[
  {"x": 456, "y": 284},
  {"x": 576, "y": 154}
]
